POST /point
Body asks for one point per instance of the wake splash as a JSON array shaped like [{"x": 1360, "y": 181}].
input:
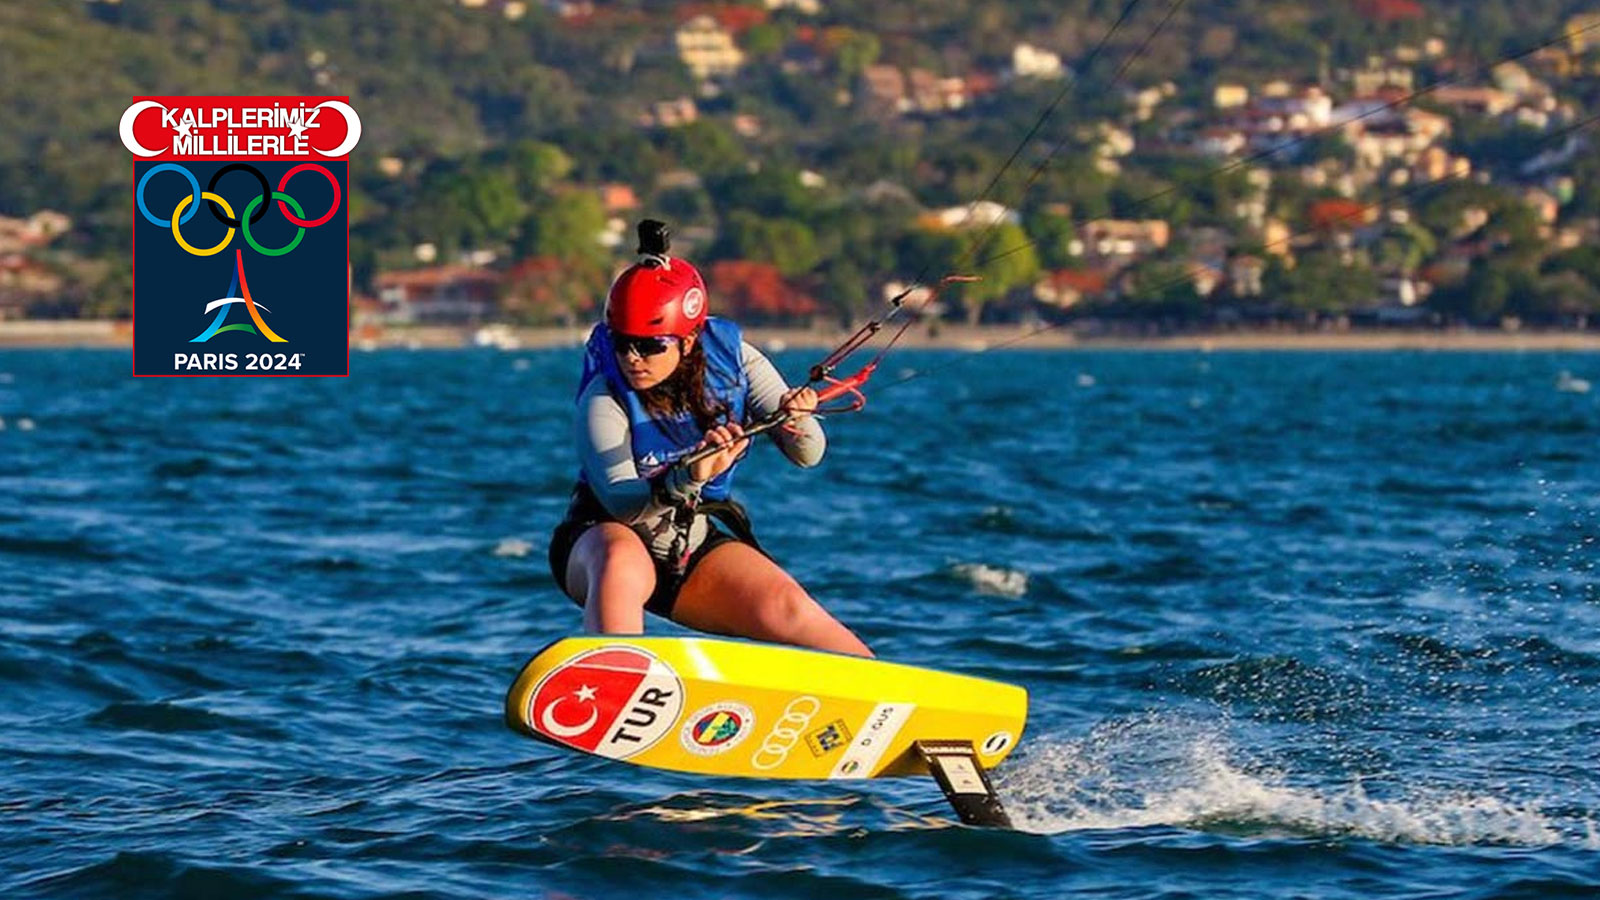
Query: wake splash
[
  {"x": 1165, "y": 770},
  {"x": 990, "y": 580}
]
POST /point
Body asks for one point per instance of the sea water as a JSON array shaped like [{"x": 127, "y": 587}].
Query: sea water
[{"x": 1293, "y": 625}]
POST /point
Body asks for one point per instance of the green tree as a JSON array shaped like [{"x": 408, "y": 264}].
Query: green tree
[
  {"x": 1403, "y": 248},
  {"x": 785, "y": 243},
  {"x": 1321, "y": 282},
  {"x": 612, "y": 154},
  {"x": 703, "y": 146},
  {"x": 1053, "y": 236},
  {"x": 853, "y": 50},
  {"x": 566, "y": 226},
  {"x": 772, "y": 191},
  {"x": 1586, "y": 175},
  {"x": 1139, "y": 195},
  {"x": 1444, "y": 209},
  {"x": 1165, "y": 288},
  {"x": 1511, "y": 225},
  {"x": 1492, "y": 288},
  {"x": 1559, "y": 298},
  {"x": 961, "y": 171},
  {"x": 764, "y": 41},
  {"x": 536, "y": 165},
  {"x": 464, "y": 209},
  {"x": 859, "y": 239},
  {"x": 1496, "y": 146},
  {"x": 1001, "y": 258},
  {"x": 1584, "y": 261},
  {"x": 685, "y": 205},
  {"x": 844, "y": 290},
  {"x": 934, "y": 253}
]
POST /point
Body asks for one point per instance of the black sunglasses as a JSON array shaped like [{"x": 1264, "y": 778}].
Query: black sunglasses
[{"x": 644, "y": 346}]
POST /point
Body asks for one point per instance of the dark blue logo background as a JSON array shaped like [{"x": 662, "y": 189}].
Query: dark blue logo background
[{"x": 301, "y": 296}]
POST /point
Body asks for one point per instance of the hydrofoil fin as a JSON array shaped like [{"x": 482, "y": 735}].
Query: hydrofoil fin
[{"x": 955, "y": 767}]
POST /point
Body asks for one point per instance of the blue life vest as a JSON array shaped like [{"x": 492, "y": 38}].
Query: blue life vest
[{"x": 659, "y": 442}]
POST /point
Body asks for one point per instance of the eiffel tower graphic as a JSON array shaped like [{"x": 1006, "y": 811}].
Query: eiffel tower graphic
[{"x": 238, "y": 292}]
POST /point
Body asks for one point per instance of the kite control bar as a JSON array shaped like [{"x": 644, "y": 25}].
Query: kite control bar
[{"x": 834, "y": 388}]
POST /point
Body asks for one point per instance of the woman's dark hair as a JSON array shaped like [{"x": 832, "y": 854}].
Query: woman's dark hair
[{"x": 684, "y": 391}]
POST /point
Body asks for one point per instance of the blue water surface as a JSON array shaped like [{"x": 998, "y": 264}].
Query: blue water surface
[{"x": 1294, "y": 625}]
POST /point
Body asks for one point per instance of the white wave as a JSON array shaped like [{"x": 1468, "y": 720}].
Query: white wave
[
  {"x": 1165, "y": 770},
  {"x": 992, "y": 580},
  {"x": 1567, "y": 383},
  {"x": 513, "y": 547}
]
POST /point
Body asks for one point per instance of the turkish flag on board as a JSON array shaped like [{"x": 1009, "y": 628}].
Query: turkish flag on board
[{"x": 577, "y": 704}]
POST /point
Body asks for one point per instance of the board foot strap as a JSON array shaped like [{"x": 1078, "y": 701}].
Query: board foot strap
[{"x": 966, "y": 785}]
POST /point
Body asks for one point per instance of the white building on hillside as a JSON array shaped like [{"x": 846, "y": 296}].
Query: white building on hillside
[
  {"x": 707, "y": 49},
  {"x": 978, "y": 215},
  {"x": 1028, "y": 61}
]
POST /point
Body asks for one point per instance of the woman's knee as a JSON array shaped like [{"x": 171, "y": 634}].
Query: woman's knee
[
  {"x": 610, "y": 554},
  {"x": 786, "y": 611}
]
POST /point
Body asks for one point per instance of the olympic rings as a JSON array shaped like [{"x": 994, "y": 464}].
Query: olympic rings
[
  {"x": 281, "y": 198},
  {"x": 178, "y": 235},
  {"x": 194, "y": 187},
  {"x": 223, "y": 212},
  {"x": 266, "y": 191},
  {"x": 785, "y": 733},
  {"x": 332, "y": 182}
]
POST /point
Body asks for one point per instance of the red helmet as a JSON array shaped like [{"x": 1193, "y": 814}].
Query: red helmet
[{"x": 658, "y": 295}]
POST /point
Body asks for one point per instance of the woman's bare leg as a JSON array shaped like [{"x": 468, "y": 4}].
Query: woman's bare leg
[
  {"x": 611, "y": 576},
  {"x": 735, "y": 590}
]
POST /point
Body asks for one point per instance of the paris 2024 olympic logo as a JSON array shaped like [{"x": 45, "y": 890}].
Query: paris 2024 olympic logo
[{"x": 275, "y": 173}]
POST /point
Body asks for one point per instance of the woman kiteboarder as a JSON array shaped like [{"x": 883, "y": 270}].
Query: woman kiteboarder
[{"x": 663, "y": 402}]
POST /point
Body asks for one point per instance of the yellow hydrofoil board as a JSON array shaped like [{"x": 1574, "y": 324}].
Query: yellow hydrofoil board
[{"x": 720, "y": 707}]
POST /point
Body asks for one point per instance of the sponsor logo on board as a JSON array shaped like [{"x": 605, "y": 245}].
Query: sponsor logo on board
[
  {"x": 872, "y": 741},
  {"x": 785, "y": 733},
  {"x": 717, "y": 728},
  {"x": 612, "y": 701},
  {"x": 997, "y": 743},
  {"x": 828, "y": 738}
]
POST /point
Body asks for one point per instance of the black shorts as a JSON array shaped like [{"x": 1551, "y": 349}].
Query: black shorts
[{"x": 585, "y": 512}]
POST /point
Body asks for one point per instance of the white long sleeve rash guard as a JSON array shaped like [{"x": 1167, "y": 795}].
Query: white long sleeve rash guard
[{"x": 603, "y": 436}]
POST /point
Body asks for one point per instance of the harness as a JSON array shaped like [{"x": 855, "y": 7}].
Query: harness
[{"x": 658, "y": 442}]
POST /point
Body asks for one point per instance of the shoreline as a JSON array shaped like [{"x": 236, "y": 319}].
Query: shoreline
[{"x": 110, "y": 334}]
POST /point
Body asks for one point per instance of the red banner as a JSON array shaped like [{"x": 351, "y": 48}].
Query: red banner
[{"x": 262, "y": 128}]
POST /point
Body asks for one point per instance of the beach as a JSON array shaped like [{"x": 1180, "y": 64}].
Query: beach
[{"x": 92, "y": 333}]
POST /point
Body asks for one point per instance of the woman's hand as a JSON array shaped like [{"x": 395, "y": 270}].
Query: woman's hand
[
  {"x": 799, "y": 403},
  {"x": 731, "y": 438}
]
